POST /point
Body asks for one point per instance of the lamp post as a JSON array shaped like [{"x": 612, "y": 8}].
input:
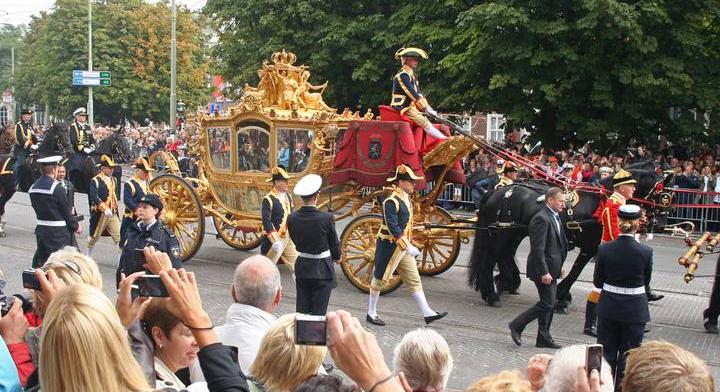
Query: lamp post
[{"x": 173, "y": 70}]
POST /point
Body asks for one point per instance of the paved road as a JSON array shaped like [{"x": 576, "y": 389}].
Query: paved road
[{"x": 477, "y": 334}]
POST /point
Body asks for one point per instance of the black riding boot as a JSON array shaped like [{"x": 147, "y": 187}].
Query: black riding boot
[{"x": 590, "y": 327}]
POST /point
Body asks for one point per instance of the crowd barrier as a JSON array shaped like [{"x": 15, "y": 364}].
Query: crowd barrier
[{"x": 701, "y": 208}]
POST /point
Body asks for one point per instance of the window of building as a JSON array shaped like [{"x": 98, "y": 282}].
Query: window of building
[
  {"x": 294, "y": 146},
  {"x": 495, "y": 131}
]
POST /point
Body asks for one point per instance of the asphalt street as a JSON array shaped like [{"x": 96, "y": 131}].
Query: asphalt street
[{"x": 477, "y": 334}]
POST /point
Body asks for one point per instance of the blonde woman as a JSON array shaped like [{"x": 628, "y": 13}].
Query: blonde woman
[
  {"x": 424, "y": 357},
  {"x": 281, "y": 365},
  {"x": 505, "y": 381},
  {"x": 81, "y": 324},
  {"x": 664, "y": 367}
]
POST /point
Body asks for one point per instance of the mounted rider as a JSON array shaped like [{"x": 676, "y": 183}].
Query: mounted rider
[
  {"x": 276, "y": 207},
  {"x": 394, "y": 249},
  {"x": 81, "y": 139},
  {"x": 25, "y": 139},
  {"x": 133, "y": 192},
  {"x": 508, "y": 174},
  {"x": 406, "y": 96}
]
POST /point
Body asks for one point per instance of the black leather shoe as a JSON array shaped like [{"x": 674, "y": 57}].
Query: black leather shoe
[
  {"x": 711, "y": 327},
  {"x": 375, "y": 320},
  {"x": 547, "y": 344},
  {"x": 590, "y": 332},
  {"x": 513, "y": 292},
  {"x": 515, "y": 335},
  {"x": 561, "y": 309},
  {"x": 438, "y": 316},
  {"x": 652, "y": 296}
]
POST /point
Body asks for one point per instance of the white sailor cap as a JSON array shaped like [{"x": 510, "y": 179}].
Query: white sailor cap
[
  {"x": 629, "y": 212},
  {"x": 568, "y": 166},
  {"x": 605, "y": 169},
  {"x": 80, "y": 111},
  {"x": 308, "y": 185},
  {"x": 51, "y": 160}
]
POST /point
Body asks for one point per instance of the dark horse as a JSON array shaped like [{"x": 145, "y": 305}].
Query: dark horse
[
  {"x": 115, "y": 146},
  {"x": 505, "y": 213},
  {"x": 54, "y": 142}
]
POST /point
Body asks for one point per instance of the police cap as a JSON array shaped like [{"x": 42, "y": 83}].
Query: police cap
[{"x": 153, "y": 200}]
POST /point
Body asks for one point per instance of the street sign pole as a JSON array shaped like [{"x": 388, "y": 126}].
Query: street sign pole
[{"x": 90, "y": 110}]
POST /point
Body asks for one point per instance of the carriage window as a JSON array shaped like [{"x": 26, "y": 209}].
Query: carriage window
[
  {"x": 219, "y": 142},
  {"x": 253, "y": 143},
  {"x": 294, "y": 148}
]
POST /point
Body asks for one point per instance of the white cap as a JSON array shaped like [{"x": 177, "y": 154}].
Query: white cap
[
  {"x": 51, "y": 160},
  {"x": 79, "y": 111},
  {"x": 605, "y": 169},
  {"x": 568, "y": 166},
  {"x": 308, "y": 185},
  {"x": 500, "y": 162}
]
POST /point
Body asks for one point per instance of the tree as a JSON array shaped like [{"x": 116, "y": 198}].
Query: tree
[
  {"x": 132, "y": 40},
  {"x": 10, "y": 37}
]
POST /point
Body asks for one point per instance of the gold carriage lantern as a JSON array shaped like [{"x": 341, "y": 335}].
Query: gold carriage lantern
[{"x": 282, "y": 121}]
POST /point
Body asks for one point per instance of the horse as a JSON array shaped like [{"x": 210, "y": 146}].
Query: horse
[
  {"x": 54, "y": 142},
  {"x": 505, "y": 213},
  {"x": 116, "y": 146}
]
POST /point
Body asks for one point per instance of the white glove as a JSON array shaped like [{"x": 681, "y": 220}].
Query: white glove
[
  {"x": 34, "y": 147},
  {"x": 413, "y": 251},
  {"x": 108, "y": 212},
  {"x": 277, "y": 246},
  {"x": 431, "y": 111},
  {"x": 87, "y": 150}
]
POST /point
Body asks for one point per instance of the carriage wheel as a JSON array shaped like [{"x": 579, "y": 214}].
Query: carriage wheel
[
  {"x": 241, "y": 238},
  {"x": 358, "y": 253},
  {"x": 438, "y": 249},
  {"x": 164, "y": 162},
  {"x": 344, "y": 199},
  {"x": 182, "y": 212}
]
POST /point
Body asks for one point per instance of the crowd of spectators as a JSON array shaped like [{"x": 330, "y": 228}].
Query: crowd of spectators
[{"x": 75, "y": 339}]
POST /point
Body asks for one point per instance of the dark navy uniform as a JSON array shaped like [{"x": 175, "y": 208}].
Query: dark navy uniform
[
  {"x": 54, "y": 221},
  {"x": 622, "y": 270},
  {"x": 81, "y": 137},
  {"x": 24, "y": 139},
  {"x": 710, "y": 315},
  {"x": 133, "y": 191},
  {"x": 275, "y": 210},
  {"x": 314, "y": 235},
  {"x": 138, "y": 237},
  {"x": 70, "y": 191}
]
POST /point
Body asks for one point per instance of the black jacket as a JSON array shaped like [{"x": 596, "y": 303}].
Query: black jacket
[
  {"x": 548, "y": 246},
  {"x": 272, "y": 213},
  {"x": 157, "y": 236},
  {"x": 623, "y": 262},
  {"x": 313, "y": 231}
]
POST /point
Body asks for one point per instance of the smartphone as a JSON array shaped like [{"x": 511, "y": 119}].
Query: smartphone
[
  {"x": 310, "y": 330},
  {"x": 139, "y": 257},
  {"x": 30, "y": 280},
  {"x": 151, "y": 286},
  {"x": 593, "y": 358}
]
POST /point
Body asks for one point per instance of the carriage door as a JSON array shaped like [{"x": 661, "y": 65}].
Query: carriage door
[{"x": 294, "y": 148}]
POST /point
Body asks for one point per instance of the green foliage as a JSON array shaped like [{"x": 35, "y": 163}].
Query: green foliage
[
  {"x": 561, "y": 69},
  {"x": 10, "y": 37},
  {"x": 132, "y": 40}
]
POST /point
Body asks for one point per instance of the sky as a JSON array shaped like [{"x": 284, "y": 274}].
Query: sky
[{"x": 17, "y": 12}]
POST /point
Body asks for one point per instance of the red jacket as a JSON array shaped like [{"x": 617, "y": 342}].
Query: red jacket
[
  {"x": 607, "y": 213},
  {"x": 20, "y": 354}
]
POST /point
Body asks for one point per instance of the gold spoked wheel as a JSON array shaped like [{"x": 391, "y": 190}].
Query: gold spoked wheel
[
  {"x": 439, "y": 248},
  {"x": 357, "y": 244},
  {"x": 182, "y": 212},
  {"x": 241, "y": 236},
  {"x": 164, "y": 162}
]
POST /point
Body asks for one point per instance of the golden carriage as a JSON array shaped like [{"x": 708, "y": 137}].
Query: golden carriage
[{"x": 285, "y": 121}]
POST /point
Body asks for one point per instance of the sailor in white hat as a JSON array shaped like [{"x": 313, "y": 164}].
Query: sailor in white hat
[
  {"x": 317, "y": 244},
  {"x": 54, "y": 220}
]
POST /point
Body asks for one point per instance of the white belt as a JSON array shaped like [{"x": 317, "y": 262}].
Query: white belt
[
  {"x": 51, "y": 223},
  {"x": 322, "y": 255},
  {"x": 623, "y": 290}
]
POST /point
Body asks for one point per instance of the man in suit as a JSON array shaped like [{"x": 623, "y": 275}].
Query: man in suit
[{"x": 548, "y": 249}]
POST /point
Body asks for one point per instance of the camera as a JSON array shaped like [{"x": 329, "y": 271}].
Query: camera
[
  {"x": 310, "y": 330},
  {"x": 6, "y": 301},
  {"x": 151, "y": 286}
]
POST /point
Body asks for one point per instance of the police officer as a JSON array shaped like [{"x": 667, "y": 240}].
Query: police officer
[
  {"x": 25, "y": 139},
  {"x": 147, "y": 231},
  {"x": 54, "y": 221},
  {"x": 396, "y": 232},
  {"x": 622, "y": 270},
  {"x": 134, "y": 190},
  {"x": 314, "y": 235},
  {"x": 276, "y": 207},
  {"x": 104, "y": 207},
  {"x": 82, "y": 141},
  {"x": 710, "y": 315},
  {"x": 406, "y": 96},
  {"x": 508, "y": 176}
]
